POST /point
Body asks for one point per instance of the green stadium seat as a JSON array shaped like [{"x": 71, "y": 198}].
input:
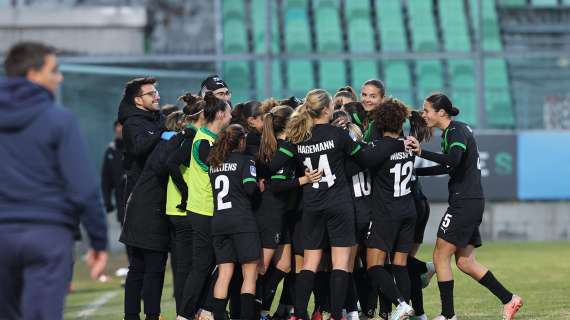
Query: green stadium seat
[
  {"x": 391, "y": 24},
  {"x": 429, "y": 77},
  {"x": 357, "y": 9},
  {"x": 233, "y": 9},
  {"x": 236, "y": 74},
  {"x": 235, "y": 36},
  {"x": 491, "y": 34},
  {"x": 454, "y": 25},
  {"x": 363, "y": 70},
  {"x": 332, "y": 75},
  {"x": 300, "y": 77},
  {"x": 513, "y": 3},
  {"x": 327, "y": 25},
  {"x": 566, "y": 2},
  {"x": 422, "y": 25},
  {"x": 297, "y": 35},
  {"x": 258, "y": 26},
  {"x": 360, "y": 35},
  {"x": 462, "y": 83},
  {"x": 498, "y": 103},
  {"x": 545, "y": 3},
  {"x": 277, "y": 82},
  {"x": 398, "y": 80}
]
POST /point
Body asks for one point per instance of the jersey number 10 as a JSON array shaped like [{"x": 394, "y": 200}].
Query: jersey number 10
[
  {"x": 324, "y": 168},
  {"x": 401, "y": 185}
]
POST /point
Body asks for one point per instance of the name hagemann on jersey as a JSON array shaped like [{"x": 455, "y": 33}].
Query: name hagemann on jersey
[{"x": 314, "y": 148}]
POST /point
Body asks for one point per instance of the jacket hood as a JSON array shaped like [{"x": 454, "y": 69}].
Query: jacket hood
[
  {"x": 21, "y": 102},
  {"x": 127, "y": 110}
]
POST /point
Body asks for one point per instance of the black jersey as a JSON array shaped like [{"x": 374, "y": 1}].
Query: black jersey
[
  {"x": 392, "y": 174},
  {"x": 232, "y": 183},
  {"x": 326, "y": 151},
  {"x": 465, "y": 178}
]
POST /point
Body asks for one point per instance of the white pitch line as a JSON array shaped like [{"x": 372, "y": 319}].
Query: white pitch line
[{"x": 92, "y": 307}]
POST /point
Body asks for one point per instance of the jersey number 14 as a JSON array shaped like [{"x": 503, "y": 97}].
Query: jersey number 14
[
  {"x": 324, "y": 168},
  {"x": 402, "y": 176}
]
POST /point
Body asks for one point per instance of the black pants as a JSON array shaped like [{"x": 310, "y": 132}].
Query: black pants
[
  {"x": 181, "y": 255},
  {"x": 202, "y": 265},
  {"x": 146, "y": 276}
]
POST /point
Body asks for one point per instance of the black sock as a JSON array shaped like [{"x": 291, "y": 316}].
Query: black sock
[
  {"x": 402, "y": 281},
  {"x": 417, "y": 295},
  {"x": 270, "y": 286},
  {"x": 247, "y": 306},
  {"x": 446, "y": 294},
  {"x": 303, "y": 287},
  {"x": 351, "y": 301},
  {"x": 338, "y": 285},
  {"x": 322, "y": 290},
  {"x": 491, "y": 283},
  {"x": 371, "y": 298},
  {"x": 385, "y": 305},
  {"x": 288, "y": 290},
  {"x": 219, "y": 308},
  {"x": 386, "y": 283},
  {"x": 416, "y": 265}
]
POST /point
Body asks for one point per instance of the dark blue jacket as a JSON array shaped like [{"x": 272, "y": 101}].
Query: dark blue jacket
[{"x": 45, "y": 175}]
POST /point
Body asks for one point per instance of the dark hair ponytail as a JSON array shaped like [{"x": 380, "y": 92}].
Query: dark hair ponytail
[
  {"x": 418, "y": 127},
  {"x": 440, "y": 101},
  {"x": 274, "y": 123},
  {"x": 194, "y": 105},
  {"x": 212, "y": 106},
  {"x": 228, "y": 140},
  {"x": 243, "y": 111}
]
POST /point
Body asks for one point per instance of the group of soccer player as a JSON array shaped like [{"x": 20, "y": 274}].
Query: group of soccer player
[{"x": 320, "y": 192}]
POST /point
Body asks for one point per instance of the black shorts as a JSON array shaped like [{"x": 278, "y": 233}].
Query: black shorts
[
  {"x": 460, "y": 223},
  {"x": 391, "y": 234},
  {"x": 422, "y": 210},
  {"x": 334, "y": 223},
  {"x": 237, "y": 247},
  {"x": 363, "y": 214},
  {"x": 273, "y": 232}
]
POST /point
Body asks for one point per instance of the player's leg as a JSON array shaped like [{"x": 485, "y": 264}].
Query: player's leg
[
  {"x": 442, "y": 260},
  {"x": 466, "y": 262},
  {"x": 225, "y": 273}
]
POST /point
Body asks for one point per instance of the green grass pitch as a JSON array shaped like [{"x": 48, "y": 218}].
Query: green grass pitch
[{"x": 539, "y": 272}]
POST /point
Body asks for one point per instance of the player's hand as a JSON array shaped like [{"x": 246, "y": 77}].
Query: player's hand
[
  {"x": 96, "y": 261},
  {"x": 340, "y": 122},
  {"x": 412, "y": 144},
  {"x": 261, "y": 185},
  {"x": 313, "y": 175}
]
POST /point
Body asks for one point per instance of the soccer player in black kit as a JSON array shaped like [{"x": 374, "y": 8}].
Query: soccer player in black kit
[
  {"x": 458, "y": 233},
  {"x": 235, "y": 235}
]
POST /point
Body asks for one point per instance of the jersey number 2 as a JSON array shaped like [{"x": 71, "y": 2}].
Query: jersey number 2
[
  {"x": 401, "y": 185},
  {"x": 324, "y": 168},
  {"x": 224, "y": 183}
]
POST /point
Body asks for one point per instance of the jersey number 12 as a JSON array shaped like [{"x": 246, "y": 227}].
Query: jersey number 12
[
  {"x": 401, "y": 185},
  {"x": 324, "y": 168},
  {"x": 224, "y": 183}
]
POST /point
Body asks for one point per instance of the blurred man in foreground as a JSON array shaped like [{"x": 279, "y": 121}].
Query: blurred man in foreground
[{"x": 47, "y": 189}]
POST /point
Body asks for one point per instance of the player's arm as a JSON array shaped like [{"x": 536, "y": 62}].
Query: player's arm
[
  {"x": 376, "y": 153},
  {"x": 249, "y": 177},
  {"x": 200, "y": 151},
  {"x": 280, "y": 182},
  {"x": 432, "y": 171},
  {"x": 180, "y": 156},
  {"x": 285, "y": 151},
  {"x": 455, "y": 145}
]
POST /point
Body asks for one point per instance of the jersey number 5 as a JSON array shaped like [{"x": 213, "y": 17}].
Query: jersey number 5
[
  {"x": 324, "y": 168},
  {"x": 224, "y": 183},
  {"x": 401, "y": 185}
]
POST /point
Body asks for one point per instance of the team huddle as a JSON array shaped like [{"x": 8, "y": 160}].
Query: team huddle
[{"x": 319, "y": 194}]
